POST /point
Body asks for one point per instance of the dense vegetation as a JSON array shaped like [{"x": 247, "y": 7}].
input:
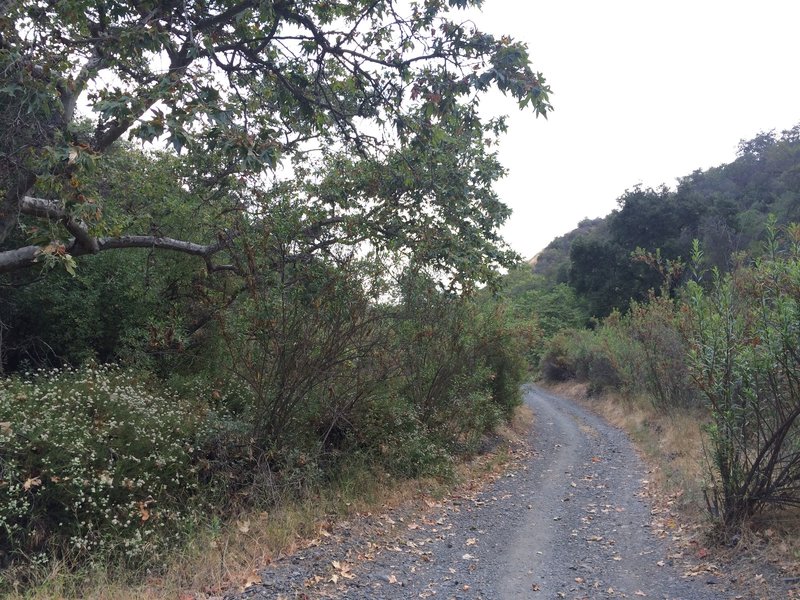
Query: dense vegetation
[
  {"x": 726, "y": 208},
  {"x": 240, "y": 244}
]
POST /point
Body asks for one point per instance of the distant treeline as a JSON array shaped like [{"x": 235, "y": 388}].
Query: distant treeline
[{"x": 726, "y": 208}]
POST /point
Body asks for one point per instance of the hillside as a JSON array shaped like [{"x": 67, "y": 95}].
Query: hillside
[{"x": 726, "y": 208}]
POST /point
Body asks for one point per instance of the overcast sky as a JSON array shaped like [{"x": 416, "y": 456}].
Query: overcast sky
[{"x": 644, "y": 92}]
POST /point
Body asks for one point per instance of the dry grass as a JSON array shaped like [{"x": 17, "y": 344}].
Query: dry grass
[{"x": 228, "y": 557}]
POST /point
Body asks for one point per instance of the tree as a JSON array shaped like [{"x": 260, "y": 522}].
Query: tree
[{"x": 256, "y": 96}]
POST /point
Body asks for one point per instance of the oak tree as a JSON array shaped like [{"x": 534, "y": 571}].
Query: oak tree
[{"x": 365, "y": 111}]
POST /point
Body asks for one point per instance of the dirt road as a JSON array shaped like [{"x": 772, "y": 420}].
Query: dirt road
[{"x": 570, "y": 522}]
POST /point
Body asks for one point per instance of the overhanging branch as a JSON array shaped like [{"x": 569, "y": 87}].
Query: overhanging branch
[{"x": 29, "y": 256}]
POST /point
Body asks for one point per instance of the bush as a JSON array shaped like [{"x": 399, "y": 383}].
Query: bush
[
  {"x": 461, "y": 365},
  {"x": 557, "y": 364},
  {"x": 391, "y": 429},
  {"x": 597, "y": 357},
  {"x": 658, "y": 364},
  {"x": 94, "y": 462},
  {"x": 744, "y": 337},
  {"x": 640, "y": 353}
]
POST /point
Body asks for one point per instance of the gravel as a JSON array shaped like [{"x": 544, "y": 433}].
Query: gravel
[{"x": 570, "y": 520}]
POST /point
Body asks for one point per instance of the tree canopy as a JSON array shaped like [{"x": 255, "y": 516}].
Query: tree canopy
[
  {"x": 727, "y": 208},
  {"x": 363, "y": 113}
]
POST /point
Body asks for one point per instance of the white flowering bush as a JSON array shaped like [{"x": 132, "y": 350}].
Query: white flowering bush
[{"x": 92, "y": 462}]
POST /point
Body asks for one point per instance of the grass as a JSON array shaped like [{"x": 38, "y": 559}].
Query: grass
[{"x": 227, "y": 556}]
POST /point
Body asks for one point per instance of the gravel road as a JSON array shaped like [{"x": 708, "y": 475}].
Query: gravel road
[{"x": 570, "y": 521}]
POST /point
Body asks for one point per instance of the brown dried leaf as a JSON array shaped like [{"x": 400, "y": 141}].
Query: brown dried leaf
[{"x": 31, "y": 482}]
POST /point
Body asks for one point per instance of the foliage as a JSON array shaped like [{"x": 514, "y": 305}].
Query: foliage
[
  {"x": 639, "y": 353},
  {"x": 140, "y": 306},
  {"x": 391, "y": 431},
  {"x": 539, "y": 307},
  {"x": 599, "y": 357},
  {"x": 306, "y": 347},
  {"x": 552, "y": 262},
  {"x": 659, "y": 365},
  {"x": 725, "y": 207},
  {"x": 93, "y": 463},
  {"x": 457, "y": 359},
  {"x": 324, "y": 181},
  {"x": 254, "y": 96},
  {"x": 744, "y": 341}
]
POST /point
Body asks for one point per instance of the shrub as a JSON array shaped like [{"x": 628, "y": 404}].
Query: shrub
[
  {"x": 744, "y": 337},
  {"x": 93, "y": 462},
  {"x": 391, "y": 429},
  {"x": 642, "y": 352},
  {"x": 460, "y": 364},
  {"x": 593, "y": 356},
  {"x": 658, "y": 359},
  {"x": 557, "y": 363}
]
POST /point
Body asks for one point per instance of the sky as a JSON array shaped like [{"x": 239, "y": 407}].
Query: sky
[{"x": 644, "y": 92}]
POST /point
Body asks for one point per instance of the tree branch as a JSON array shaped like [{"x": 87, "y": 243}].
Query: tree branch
[
  {"x": 70, "y": 93},
  {"x": 45, "y": 209},
  {"x": 27, "y": 256}
]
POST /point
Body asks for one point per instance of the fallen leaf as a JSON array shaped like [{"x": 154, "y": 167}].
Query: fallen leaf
[
  {"x": 243, "y": 526},
  {"x": 31, "y": 482},
  {"x": 639, "y": 593},
  {"x": 5, "y": 427},
  {"x": 392, "y": 579},
  {"x": 313, "y": 581},
  {"x": 344, "y": 570},
  {"x": 472, "y": 541},
  {"x": 253, "y": 579}
]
